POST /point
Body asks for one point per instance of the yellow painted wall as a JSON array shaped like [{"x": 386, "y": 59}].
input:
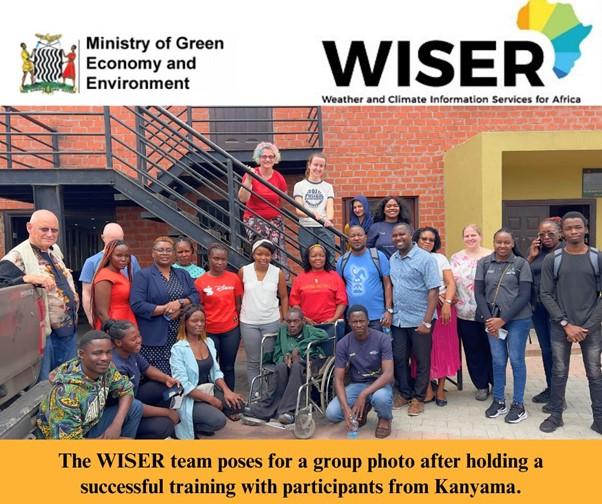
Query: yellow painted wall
[{"x": 490, "y": 167}]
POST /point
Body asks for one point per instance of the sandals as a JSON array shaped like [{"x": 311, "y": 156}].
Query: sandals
[{"x": 383, "y": 431}]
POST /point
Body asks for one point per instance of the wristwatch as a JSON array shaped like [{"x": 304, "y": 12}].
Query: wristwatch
[
  {"x": 564, "y": 323},
  {"x": 428, "y": 325},
  {"x": 390, "y": 310},
  {"x": 448, "y": 301}
]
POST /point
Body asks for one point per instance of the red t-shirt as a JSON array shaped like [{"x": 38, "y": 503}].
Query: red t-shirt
[
  {"x": 263, "y": 209},
  {"x": 218, "y": 296},
  {"x": 318, "y": 293}
]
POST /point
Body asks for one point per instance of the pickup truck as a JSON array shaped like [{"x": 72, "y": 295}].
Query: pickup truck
[{"x": 22, "y": 314}]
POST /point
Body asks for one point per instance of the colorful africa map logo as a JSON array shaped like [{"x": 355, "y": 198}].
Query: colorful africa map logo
[{"x": 559, "y": 23}]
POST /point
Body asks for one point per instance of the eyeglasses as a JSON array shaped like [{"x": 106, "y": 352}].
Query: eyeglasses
[
  {"x": 267, "y": 157},
  {"x": 423, "y": 238},
  {"x": 49, "y": 230},
  {"x": 549, "y": 234},
  {"x": 163, "y": 251}
]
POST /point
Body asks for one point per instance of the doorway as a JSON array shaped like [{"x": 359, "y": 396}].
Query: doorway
[{"x": 523, "y": 217}]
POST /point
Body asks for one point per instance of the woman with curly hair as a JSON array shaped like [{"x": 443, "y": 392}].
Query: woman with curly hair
[
  {"x": 262, "y": 218},
  {"x": 389, "y": 212}
]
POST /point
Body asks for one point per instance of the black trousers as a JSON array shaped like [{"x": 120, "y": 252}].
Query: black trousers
[
  {"x": 151, "y": 393},
  {"x": 478, "y": 353},
  {"x": 407, "y": 342}
]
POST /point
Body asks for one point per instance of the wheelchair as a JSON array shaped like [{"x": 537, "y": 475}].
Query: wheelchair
[{"x": 318, "y": 389}]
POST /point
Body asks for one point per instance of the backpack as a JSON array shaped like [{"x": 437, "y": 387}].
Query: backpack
[
  {"x": 373, "y": 255},
  {"x": 594, "y": 258}
]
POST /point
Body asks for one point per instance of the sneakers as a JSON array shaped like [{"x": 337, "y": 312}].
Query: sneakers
[
  {"x": 550, "y": 424},
  {"x": 542, "y": 397},
  {"x": 496, "y": 409},
  {"x": 516, "y": 414},
  {"x": 482, "y": 394},
  {"x": 399, "y": 401},
  {"x": 546, "y": 407},
  {"x": 416, "y": 407}
]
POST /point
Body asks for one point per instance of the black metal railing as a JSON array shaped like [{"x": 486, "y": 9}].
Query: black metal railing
[{"x": 162, "y": 151}]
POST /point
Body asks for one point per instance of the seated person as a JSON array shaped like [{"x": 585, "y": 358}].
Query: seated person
[
  {"x": 76, "y": 406},
  {"x": 158, "y": 421},
  {"x": 368, "y": 355},
  {"x": 208, "y": 401},
  {"x": 289, "y": 355}
]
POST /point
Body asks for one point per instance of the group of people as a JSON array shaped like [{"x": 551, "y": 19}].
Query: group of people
[{"x": 160, "y": 359}]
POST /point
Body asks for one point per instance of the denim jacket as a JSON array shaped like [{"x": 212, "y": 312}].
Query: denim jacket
[{"x": 184, "y": 368}]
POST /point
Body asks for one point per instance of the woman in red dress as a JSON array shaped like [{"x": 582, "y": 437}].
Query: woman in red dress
[
  {"x": 111, "y": 288},
  {"x": 69, "y": 72}
]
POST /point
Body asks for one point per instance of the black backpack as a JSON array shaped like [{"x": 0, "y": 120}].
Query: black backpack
[
  {"x": 594, "y": 258},
  {"x": 373, "y": 255}
]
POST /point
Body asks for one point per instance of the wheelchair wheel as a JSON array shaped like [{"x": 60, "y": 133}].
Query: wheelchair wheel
[
  {"x": 305, "y": 425},
  {"x": 327, "y": 392}
]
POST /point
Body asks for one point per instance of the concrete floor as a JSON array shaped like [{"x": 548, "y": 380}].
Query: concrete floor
[{"x": 462, "y": 418}]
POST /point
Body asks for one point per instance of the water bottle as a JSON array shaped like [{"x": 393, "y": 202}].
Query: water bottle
[{"x": 353, "y": 428}]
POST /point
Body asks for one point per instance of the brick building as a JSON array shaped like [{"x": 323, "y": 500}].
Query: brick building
[{"x": 454, "y": 165}]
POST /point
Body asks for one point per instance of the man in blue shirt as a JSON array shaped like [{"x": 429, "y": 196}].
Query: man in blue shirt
[
  {"x": 416, "y": 280},
  {"x": 366, "y": 275},
  {"x": 112, "y": 231}
]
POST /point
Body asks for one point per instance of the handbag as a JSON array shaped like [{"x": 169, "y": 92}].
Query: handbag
[{"x": 493, "y": 307}]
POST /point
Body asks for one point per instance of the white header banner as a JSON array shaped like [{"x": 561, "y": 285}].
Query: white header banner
[{"x": 432, "y": 52}]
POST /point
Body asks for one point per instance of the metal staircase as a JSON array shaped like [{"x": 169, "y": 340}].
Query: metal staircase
[{"x": 155, "y": 158}]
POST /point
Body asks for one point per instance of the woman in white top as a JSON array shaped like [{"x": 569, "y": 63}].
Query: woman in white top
[
  {"x": 264, "y": 302},
  {"x": 445, "y": 352},
  {"x": 317, "y": 196},
  {"x": 471, "y": 332}
]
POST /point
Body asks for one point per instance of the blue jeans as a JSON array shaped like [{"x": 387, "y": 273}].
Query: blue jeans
[
  {"x": 513, "y": 346},
  {"x": 58, "y": 349},
  {"x": 226, "y": 345},
  {"x": 591, "y": 350},
  {"x": 541, "y": 323},
  {"x": 130, "y": 424},
  {"x": 381, "y": 401}
]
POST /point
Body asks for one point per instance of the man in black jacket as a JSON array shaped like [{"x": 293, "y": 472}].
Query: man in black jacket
[{"x": 570, "y": 291}]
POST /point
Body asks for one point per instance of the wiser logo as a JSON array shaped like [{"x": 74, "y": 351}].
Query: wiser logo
[
  {"x": 558, "y": 23},
  {"x": 442, "y": 62}
]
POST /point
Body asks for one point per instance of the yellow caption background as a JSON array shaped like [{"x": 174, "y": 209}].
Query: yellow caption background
[{"x": 31, "y": 470}]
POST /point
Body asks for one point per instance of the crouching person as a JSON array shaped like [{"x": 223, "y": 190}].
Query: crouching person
[
  {"x": 208, "y": 401},
  {"x": 77, "y": 404},
  {"x": 158, "y": 420},
  {"x": 368, "y": 356},
  {"x": 290, "y": 357}
]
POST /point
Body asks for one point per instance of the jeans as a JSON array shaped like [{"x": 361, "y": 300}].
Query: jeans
[
  {"x": 381, "y": 401},
  {"x": 407, "y": 342},
  {"x": 477, "y": 351},
  {"x": 541, "y": 322},
  {"x": 226, "y": 346},
  {"x": 324, "y": 236},
  {"x": 252, "y": 334},
  {"x": 591, "y": 348},
  {"x": 514, "y": 346},
  {"x": 130, "y": 424},
  {"x": 58, "y": 349}
]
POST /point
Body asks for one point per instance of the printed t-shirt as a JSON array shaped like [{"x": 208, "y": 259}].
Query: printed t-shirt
[
  {"x": 364, "y": 357},
  {"x": 315, "y": 195},
  {"x": 218, "y": 297},
  {"x": 318, "y": 293},
  {"x": 363, "y": 282}
]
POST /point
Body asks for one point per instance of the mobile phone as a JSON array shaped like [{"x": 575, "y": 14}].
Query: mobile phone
[{"x": 502, "y": 333}]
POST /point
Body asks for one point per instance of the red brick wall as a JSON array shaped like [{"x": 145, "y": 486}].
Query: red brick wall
[{"x": 371, "y": 150}]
